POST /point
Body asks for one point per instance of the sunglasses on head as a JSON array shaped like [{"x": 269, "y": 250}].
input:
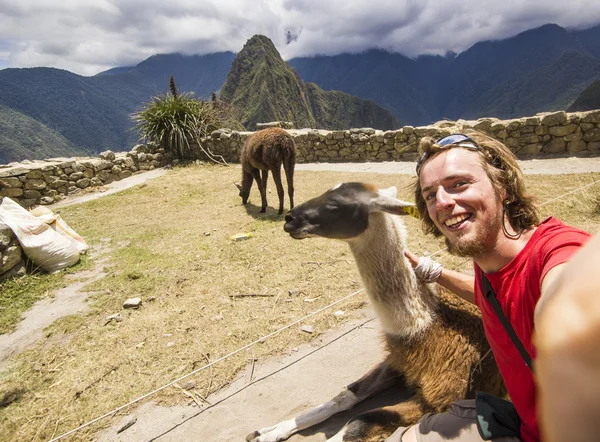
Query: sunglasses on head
[{"x": 454, "y": 140}]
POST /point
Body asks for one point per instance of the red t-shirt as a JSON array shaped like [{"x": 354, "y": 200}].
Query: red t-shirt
[{"x": 518, "y": 288}]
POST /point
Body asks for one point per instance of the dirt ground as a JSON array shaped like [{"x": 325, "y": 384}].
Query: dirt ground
[
  {"x": 70, "y": 299},
  {"x": 271, "y": 390}
]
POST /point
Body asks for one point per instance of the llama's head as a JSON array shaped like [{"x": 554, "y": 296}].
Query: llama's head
[
  {"x": 244, "y": 193},
  {"x": 342, "y": 212}
]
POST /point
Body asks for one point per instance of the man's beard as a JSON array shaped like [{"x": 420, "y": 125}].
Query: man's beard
[{"x": 479, "y": 245}]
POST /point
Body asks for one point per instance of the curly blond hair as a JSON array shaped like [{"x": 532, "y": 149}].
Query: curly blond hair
[{"x": 500, "y": 165}]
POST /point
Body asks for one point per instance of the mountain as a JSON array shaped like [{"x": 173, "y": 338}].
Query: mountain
[
  {"x": 197, "y": 74},
  {"x": 117, "y": 70},
  {"x": 24, "y": 138},
  {"x": 266, "y": 88},
  {"x": 391, "y": 80},
  {"x": 589, "y": 99},
  {"x": 541, "y": 69},
  {"x": 590, "y": 39},
  {"x": 538, "y": 70},
  {"x": 92, "y": 113}
]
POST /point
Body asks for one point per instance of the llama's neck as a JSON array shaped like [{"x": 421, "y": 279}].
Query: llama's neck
[
  {"x": 247, "y": 180},
  {"x": 405, "y": 306}
]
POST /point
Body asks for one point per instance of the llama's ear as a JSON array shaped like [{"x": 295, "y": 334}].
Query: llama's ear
[
  {"x": 238, "y": 186},
  {"x": 385, "y": 203},
  {"x": 390, "y": 191}
]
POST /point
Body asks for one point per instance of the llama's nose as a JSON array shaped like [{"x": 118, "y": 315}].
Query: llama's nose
[{"x": 287, "y": 227}]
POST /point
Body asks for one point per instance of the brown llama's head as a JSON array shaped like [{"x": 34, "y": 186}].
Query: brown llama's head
[{"x": 244, "y": 193}]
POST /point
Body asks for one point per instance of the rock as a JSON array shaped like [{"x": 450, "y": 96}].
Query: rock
[
  {"x": 561, "y": 131},
  {"x": 46, "y": 200},
  {"x": 116, "y": 318},
  {"x": 9, "y": 258},
  {"x": 107, "y": 155},
  {"x": 10, "y": 182},
  {"x": 557, "y": 145},
  {"x": 11, "y": 192},
  {"x": 554, "y": 118},
  {"x": 282, "y": 124},
  {"x": 189, "y": 385},
  {"x": 6, "y": 236},
  {"x": 307, "y": 328},
  {"x": 17, "y": 271},
  {"x": 127, "y": 424},
  {"x": 592, "y": 134},
  {"x": 133, "y": 303}
]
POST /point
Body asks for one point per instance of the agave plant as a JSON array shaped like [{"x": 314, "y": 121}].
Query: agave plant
[{"x": 176, "y": 120}]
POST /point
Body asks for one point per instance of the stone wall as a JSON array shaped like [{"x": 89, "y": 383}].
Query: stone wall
[
  {"x": 45, "y": 182},
  {"x": 550, "y": 134},
  {"x": 544, "y": 135}
]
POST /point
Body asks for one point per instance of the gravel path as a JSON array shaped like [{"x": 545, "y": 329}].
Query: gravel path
[{"x": 529, "y": 167}]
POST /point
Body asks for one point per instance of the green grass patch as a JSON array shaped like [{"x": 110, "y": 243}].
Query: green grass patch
[{"x": 18, "y": 295}]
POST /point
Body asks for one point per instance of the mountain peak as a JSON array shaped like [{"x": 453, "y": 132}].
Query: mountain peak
[
  {"x": 266, "y": 88},
  {"x": 259, "y": 39}
]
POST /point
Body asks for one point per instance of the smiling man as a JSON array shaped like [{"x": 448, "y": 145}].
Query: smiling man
[{"x": 471, "y": 191}]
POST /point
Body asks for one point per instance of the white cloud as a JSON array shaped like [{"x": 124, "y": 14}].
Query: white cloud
[{"x": 87, "y": 36}]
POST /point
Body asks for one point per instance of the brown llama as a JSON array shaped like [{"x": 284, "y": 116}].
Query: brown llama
[
  {"x": 266, "y": 150},
  {"x": 435, "y": 341}
]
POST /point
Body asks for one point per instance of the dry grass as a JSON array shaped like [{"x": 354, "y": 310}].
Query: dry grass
[{"x": 168, "y": 242}]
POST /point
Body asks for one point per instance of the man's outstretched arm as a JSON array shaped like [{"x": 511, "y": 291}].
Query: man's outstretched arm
[{"x": 567, "y": 339}]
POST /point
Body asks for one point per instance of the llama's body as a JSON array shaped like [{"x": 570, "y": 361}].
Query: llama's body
[
  {"x": 435, "y": 341},
  {"x": 267, "y": 150}
]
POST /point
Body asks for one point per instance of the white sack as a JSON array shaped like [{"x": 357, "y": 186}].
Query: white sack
[
  {"x": 60, "y": 225},
  {"x": 46, "y": 248}
]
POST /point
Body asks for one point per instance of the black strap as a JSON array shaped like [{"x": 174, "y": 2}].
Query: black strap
[{"x": 490, "y": 295}]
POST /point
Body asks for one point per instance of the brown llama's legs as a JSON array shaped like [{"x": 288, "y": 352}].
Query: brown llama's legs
[
  {"x": 280, "y": 192},
  {"x": 379, "y": 424},
  {"x": 288, "y": 166},
  {"x": 261, "y": 188},
  {"x": 265, "y": 177}
]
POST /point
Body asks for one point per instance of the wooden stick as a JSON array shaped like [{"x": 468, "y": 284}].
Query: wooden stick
[
  {"x": 202, "y": 397},
  {"x": 252, "y": 369},
  {"x": 187, "y": 393},
  {"x": 210, "y": 378}
]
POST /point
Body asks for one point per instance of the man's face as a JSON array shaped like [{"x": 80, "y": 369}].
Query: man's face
[{"x": 461, "y": 202}]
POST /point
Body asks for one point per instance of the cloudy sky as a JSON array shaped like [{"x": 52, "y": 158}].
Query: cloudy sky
[{"x": 89, "y": 36}]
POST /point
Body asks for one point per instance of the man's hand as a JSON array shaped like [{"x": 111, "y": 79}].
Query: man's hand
[
  {"x": 459, "y": 283},
  {"x": 412, "y": 258}
]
